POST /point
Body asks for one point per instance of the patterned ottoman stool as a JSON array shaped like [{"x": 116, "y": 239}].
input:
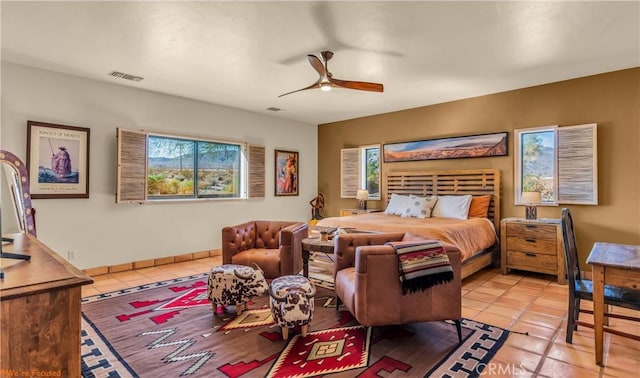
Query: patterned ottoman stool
[
  {"x": 232, "y": 284},
  {"x": 291, "y": 302}
]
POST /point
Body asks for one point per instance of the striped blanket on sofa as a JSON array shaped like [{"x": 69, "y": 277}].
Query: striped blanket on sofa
[{"x": 422, "y": 264}]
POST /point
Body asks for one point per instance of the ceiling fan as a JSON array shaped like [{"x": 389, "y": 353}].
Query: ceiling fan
[{"x": 326, "y": 81}]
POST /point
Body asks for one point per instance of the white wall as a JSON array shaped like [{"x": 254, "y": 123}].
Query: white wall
[{"x": 103, "y": 233}]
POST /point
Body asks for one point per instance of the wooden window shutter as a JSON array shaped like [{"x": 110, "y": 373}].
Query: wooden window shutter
[
  {"x": 577, "y": 164},
  {"x": 131, "y": 180},
  {"x": 349, "y": 172},
  {"x": 256, "y": 171}
]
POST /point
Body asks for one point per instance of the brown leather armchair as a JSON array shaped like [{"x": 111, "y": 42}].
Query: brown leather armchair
[
  {"x": 367, "y": 282},
  {"x": 275, "y": 246}
]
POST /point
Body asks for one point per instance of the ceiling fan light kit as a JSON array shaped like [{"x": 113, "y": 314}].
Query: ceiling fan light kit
[{"x": 326, "y": 81}]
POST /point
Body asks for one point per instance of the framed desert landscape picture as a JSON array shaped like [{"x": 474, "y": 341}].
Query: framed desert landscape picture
[{"x": 483, "y": 145}]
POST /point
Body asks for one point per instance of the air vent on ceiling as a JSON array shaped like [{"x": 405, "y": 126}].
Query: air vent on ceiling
[
  {"x": 272, "y": 109},
  {"x": 125, "y": 76}
]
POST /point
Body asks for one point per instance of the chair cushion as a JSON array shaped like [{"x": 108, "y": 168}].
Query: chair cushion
[
  {"x": 267, "y": 259},
  {"x": 613, "y": 295}
]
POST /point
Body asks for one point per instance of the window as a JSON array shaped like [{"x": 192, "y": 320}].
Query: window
[
  {"x": 161, "y": 167},
  {"x": 360, "y": 170},
  {"x": 184, "y": 168},
  {"x": 370, "y": 168},
  {"x": 558, "y": 162}
]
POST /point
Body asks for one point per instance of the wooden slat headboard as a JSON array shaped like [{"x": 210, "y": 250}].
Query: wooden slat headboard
[{"x": 426, "y": 183}]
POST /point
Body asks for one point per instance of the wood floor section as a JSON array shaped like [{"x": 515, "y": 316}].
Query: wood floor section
[{"x": 528, "y": 303}]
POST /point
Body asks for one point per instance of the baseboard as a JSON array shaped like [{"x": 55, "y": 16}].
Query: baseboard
[{"x": 92, "y": 272}]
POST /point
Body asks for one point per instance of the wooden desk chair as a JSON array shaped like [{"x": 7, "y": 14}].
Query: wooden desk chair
[{"x": 583, "y": 289}]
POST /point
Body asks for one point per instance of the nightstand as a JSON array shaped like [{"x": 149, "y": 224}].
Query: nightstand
[
  {"x": 345, "y": 212},
  {"x": 533, "y": 245}
]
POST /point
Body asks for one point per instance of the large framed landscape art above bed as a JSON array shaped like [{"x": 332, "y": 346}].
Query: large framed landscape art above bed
[
  {"x": 468, "y": 146},
  {"x": 459, "y": 207}
]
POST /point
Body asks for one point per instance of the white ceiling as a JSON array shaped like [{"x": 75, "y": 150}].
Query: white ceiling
[{"x": 245, "y": 54}]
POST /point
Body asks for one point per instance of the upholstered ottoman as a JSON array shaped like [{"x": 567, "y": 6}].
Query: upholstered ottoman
[
  {"x": 291, "y": 302},
  {"x": 232, "y": 284}
]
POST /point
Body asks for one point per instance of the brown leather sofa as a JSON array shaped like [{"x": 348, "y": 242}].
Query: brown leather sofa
[
  {"x": 367, "y": 282},
  {"x": 275, "y": 246}
]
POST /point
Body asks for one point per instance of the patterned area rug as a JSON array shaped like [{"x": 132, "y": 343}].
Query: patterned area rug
[
  {"x": 169, "y": 329},
  {"x": 324, "y": 352}
]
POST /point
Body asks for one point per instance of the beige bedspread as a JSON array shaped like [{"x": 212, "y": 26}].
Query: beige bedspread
[{"x": 470, "y": 235}]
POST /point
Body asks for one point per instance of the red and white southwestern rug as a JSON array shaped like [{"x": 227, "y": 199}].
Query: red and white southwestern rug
[{"x": 169, "y": 329}]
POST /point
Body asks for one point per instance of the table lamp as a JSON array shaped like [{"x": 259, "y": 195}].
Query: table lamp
[
  {"x": 531, "y": 199},
  {"x": 362, "y": 195}
]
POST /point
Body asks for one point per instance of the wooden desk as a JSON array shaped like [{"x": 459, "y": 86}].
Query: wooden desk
[
  {"x": 40, "y": 311},
  {"x": 612, "y": 264}
]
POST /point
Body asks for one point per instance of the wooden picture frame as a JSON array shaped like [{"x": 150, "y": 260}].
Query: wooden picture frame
[
  {"x": 469, "y": 146},
  {"x": 286, "y": 173},
  {"x": 58, "y": 160}
]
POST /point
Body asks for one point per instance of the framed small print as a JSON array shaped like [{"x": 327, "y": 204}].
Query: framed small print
[
  {"x": 57, "y": 160},
  {"x": 286, "y": 173}
]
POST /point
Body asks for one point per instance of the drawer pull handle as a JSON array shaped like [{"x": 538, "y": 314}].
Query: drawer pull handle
[
  {"x": 530, "y": 225},
  {"x": 530, "y": 254},
  {"x": 530, "y": 240}
]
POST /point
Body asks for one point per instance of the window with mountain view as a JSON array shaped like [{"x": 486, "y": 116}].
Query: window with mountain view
[
  {"x": 537, "y": 163},
  {"x": 558, "y": 162},
  {"x": 184, "y": 168}
]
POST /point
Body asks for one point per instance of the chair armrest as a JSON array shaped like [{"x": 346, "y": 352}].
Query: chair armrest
[
  {"x": 385, "y": 261},
  {"x": 236, "y": 239},
  {"x": 291, "y": 247}
]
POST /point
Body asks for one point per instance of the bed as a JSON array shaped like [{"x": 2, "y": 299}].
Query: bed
[{"x": 477, "y": 238}]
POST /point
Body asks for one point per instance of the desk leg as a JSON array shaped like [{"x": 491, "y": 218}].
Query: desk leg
[
  {"x": 598, "y": 310},
  {"x": 305, "y": 262}
]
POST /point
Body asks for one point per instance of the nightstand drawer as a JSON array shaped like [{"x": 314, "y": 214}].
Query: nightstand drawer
[
  {"x": 532, "y": 231},
  {"x": 531, "y": 244},
  {"x": 532, "y": 261}
]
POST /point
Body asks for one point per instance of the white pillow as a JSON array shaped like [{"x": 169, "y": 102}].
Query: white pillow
[
  {"x": 452, "y": 207},
  {"x": 419, "y": 207},
  {"x": 397, "y": 204}
]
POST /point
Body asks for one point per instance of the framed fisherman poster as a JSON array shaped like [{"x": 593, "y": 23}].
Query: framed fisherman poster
[{"x": 57, "y": 160}]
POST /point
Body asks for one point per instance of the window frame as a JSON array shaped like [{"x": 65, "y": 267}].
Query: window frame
[
  {"x": 575, "y": 164},
  {"x": 363, "y": 170},
  {"x": 195, "y": 163},
  {"x": 132, "y": 160},
  {"x": 351, "y": 181},
  {"x": 518, "y": 163}
]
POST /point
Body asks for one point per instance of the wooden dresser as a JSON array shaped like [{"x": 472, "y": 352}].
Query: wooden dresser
[
  {"x": 533, "y": 245},
  {"x": 40, "y": 312}
]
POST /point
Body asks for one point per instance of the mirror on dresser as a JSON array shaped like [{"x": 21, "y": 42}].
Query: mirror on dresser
[{"x": 15, "y": 191}]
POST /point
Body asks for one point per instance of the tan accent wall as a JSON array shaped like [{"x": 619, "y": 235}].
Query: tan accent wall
[{"x": 611, "y": 100}]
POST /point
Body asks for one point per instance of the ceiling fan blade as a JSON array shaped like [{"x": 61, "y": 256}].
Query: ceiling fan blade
[
  {"x": 312, "y": 86},
  {"x": 359, "y": 85},
  {"x": 317, "y": 65}
]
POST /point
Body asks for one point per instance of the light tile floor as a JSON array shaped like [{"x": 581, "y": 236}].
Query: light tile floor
[{"x": 520, "y": 302}]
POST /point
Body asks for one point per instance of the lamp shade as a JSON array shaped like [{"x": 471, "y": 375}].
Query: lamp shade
[
  {"x": 531, "y": 197},
  {"x": 362, "y": 194}
]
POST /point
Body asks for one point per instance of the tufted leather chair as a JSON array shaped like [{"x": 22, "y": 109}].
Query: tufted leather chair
[
  {"x": 275, "y": 246},
  {"x": 366, "y": 281}
]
